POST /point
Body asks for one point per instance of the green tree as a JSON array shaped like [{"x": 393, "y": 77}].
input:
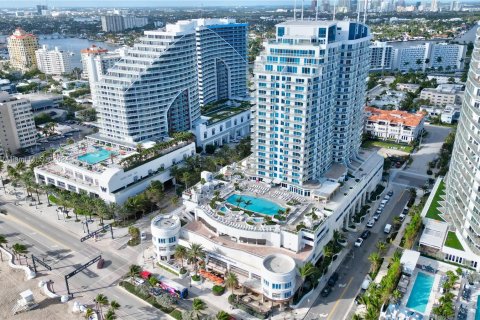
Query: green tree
[
  {"x": 231, "y": 281},
  {"x": 381, "y": 246},
  {"x": 134, "y": 271},
  {"x": 19, "y": 249},
  {"x": 375, "y": 260},
  {"x": 196, "y": 252},
  {"x": 305, "y": 271},
  {"x": 198, "y": 307},
  {"x": 181, "y": 253},
  {"x": 89, "y": 313},
  {"x": 3, "y": 241},
  {"x": 222, "y": 315},
  {"x": 101, "y": 301}
]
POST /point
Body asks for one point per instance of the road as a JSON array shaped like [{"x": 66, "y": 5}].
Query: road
[
  {"x": 355, "y": 267},
  {"x": 63, "y": 251}
]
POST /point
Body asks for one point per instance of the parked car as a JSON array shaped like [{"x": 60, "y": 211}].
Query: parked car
[
  {"x": 402, "y": 217},
  {"x": 405, "y": 210},
  {"x": 359, "y": 242},
  {"x": 388, "y": 228},
  {"x": 381, "y": 206},
  {"x": 390, "y": 193},
  {"x": 156, "y": 291},
  {"x": 370, "y": 223},
  {"x": 333, "y": 279},
  {"x": 143, "y": 235},
  {"x": 379, "y": 211},
  {"x": 326, "y": 291},
  {"x": 376, "y": 217},
  {"x": 387, "y": 197},
  {"x": 365, "y": 234},
  {"x": 138, "y": 281}
]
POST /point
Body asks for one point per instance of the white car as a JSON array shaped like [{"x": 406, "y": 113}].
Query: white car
[
  {"x": 401, "y": 217},
  {"x": 370, "y": 223},
  {"x": 143, "y": 235},
  {"x": 359, "y": 242}
]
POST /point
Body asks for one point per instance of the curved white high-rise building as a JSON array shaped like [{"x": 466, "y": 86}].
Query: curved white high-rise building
[{"x": 462, "y": 203}]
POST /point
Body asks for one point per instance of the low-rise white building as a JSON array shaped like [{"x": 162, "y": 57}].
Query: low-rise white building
[
  {"x": 399, "y": 126},
  {"x": 265, "y": 248},
  {"x": 54, "y": 61},
  {"x": 443, "y": 94},
  {"x": 223, "y": 123},
  {"x": 165, "y": 234},
  {"x": 448, "y": 114},
  {"x": 111, "y": 172}
]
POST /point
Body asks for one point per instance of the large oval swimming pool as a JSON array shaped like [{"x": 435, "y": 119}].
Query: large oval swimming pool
[{"x": 258, "y": 205}]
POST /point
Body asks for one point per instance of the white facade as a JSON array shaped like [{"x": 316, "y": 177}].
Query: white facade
[
  {"x": 218, "y": 129},
  {"x": 278, "y": 277},
  {"x": 254, "y": 250},
  {"x": 463, "y": 179},
  {"x": 311, "y": 84},
  {"x": 131, "y": 22},
  {"x": 112, "y": 23},
  {"x": 399, "y": 126},
  {"x": 381, "y": 56},
  {"x": 16, "y": 123},
  {"x": 415, "y": 55},
  {"x": 111, "y": 182},
  {"x": 165, "y": 234},
  {"x": 443, "y": 94},
  {"x": 55, "y": 62}
]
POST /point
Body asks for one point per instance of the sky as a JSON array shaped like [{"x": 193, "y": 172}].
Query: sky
[{"x": 143, "y": 3}]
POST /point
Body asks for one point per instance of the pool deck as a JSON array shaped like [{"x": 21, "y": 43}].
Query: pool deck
[{"x": 431, "y": 299}]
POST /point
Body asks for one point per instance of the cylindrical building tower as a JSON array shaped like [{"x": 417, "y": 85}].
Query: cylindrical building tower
[
  {"x": 278, "y": 277},
  {"x": 165, "y": 233}
]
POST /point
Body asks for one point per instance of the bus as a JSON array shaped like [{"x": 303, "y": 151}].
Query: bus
[{"x": 172, "y": 287}]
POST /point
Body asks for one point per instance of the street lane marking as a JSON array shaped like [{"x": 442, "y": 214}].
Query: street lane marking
[
  {"x": 35, "y": 229},
  {"x": 340, "y": 298}
]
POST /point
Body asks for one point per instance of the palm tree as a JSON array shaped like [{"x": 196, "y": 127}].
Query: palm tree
[
  {"x": 371, "y": 314},
  {"x": 181, "y": 253},
  {"x": 247, "y": 203},
  {"x": 396, "y": 295},
  {"x": 89, "y": 313},
  {"x": 134, "y": 271},
  {"x": 357, "y": 317},
  {"x": 328, "y": 251},
  {"x": 114, "y": 305},
  {"x": 198, "y": 306},
  {"x": 374, "y": 259},
  {"x": 231, "y": 281},
  {"x": 110, "y": 315},
  {"x": 222, "y": 315},
  {"x": 381, "y": 246},
  {"x": 196, "y": 252},
  {"x": 3, "y": 240},
  {"x": 19, "y": 249},
  {"x": 239, "y": 200},
  {"x": 305, "y": 271},
  {"x": 101, "y": 300}
]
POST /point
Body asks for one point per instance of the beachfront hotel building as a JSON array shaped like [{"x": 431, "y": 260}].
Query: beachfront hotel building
[
  {"x": 21, "y": 50},
  {"x": 462, "y": 204},
  {"x": 54, "y": 62},
  {"x": 261, "y": 226},
  {"x": 146, "y": 95},
  {"x": 310, "y": 96}
]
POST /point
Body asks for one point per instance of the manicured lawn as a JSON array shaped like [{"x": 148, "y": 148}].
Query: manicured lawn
[
  {"x": 387, "y": 145},
  {"x": 452, "y": 241},
  {"x": 433, "y": 212}
]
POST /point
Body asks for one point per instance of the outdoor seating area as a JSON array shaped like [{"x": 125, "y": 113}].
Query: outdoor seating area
[
  {"x": 210, "y": 276},
  {"x": 258, "y": 188},
  {"x": 397, "y": 312}
]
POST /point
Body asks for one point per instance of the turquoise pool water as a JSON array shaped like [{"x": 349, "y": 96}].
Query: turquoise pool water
[
  {"x": 258, "y": 205},
  {"x": 223, "y": 209},
  {"x": 95, "y": 157},
  {"x": 477, "y": 312},
  {"x": 421, "y": 290}
]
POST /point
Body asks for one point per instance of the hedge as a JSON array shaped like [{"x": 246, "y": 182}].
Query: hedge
[
  {"x": 177, "y": 314},
  {"x": 218, "y": 290}
]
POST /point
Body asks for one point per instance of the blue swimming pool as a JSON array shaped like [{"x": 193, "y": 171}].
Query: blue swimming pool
[
  {"x": 477, "y": 312},
  {"x": 258, "y": 205},
  {"x": 95, "y": 157},
  {"x": 420, "y": 294}
]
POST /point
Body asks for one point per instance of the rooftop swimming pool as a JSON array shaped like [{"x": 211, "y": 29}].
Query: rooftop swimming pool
[
  {"x": 258, "y": 205},
  {"x": 477, "y": 311},
  {"x": 95, "y": 157},
  {"x": 420, "y": 294}
]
